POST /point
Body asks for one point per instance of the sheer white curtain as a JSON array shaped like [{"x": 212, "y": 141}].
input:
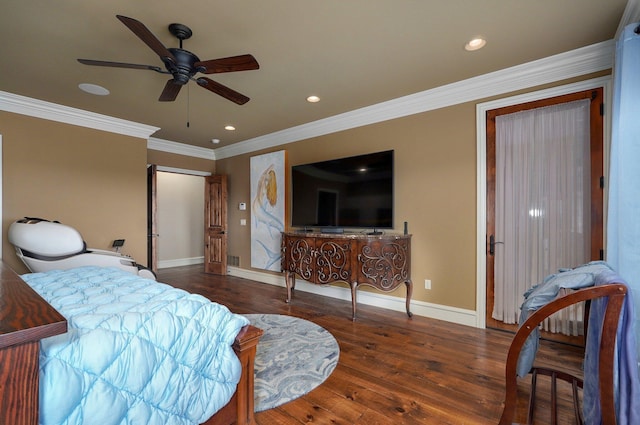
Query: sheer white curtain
[{"x": 542, "y": 202}]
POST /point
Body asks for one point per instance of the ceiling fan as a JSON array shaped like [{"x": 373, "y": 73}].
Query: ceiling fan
[{"x": 182, "y": 64}]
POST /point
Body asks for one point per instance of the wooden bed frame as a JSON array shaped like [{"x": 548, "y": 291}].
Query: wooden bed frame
[
  {"x": 616, "y": 293},
  {"x": 240, "y": 408},
  {"x": 26, "y": 318}
]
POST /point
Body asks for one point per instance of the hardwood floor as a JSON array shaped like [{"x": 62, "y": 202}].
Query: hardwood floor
[{"x": 392, "y": 369}]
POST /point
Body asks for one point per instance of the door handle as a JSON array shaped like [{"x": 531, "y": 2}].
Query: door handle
[{"x": 492, "y": 244}]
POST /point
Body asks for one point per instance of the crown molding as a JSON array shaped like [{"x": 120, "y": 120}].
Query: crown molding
[
  {"x": 183, "y": 171},
  {"x": 585, "y": 60},
  {"x": 51, "y": 111},
  {"x": 180, "y": 148}
]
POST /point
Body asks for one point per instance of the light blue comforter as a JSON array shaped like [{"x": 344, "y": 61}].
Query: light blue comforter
[{"x": 137, "y": 351}]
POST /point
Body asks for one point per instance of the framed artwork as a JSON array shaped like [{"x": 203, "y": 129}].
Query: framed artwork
[{"x": 267, "y": 209}]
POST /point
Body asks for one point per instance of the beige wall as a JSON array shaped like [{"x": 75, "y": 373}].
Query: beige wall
[
  {"x": 435, "y": 192},
  {"x": 96, "y": 181},
  {"x": 92, "y": 180}
]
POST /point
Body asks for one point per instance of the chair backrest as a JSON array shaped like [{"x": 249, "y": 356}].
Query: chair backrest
[
  {"x": 45, "y": 238},
  {"x": 616, "y": 293}
]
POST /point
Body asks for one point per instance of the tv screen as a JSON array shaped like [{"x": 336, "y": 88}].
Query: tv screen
[{"x": 353, "y": 192}]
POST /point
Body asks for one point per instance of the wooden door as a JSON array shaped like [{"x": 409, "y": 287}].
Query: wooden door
[
  {"x": 215, "y": 225},
  {"x": 596, "y": 167},
  {"x": 152, "y": 212}
]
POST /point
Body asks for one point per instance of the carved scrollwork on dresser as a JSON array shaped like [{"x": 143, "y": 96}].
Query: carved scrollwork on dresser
[
  {"x": 333, "y": 262},
  {"x": 384, "y": 266},
  {"x": 299, "y": 254}
]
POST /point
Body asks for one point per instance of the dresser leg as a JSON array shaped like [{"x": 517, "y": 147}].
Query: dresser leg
[
  {"x": 290, "y": 282},
  {"x": 354, "y": 287},
  {"x": 409, "y": 284}
]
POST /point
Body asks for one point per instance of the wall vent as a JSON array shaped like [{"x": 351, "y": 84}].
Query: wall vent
[{"x": 233, "y": 260}]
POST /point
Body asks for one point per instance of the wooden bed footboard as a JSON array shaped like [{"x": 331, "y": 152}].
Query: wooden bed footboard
[
  {"x": 240, "y": 408},
  {"x": 26, "y": 318}
]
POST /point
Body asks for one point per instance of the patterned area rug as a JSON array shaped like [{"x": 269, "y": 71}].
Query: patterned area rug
[{"x": 294, "y": 356}]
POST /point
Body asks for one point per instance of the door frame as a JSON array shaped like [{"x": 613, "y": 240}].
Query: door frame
[
  {"x": 152, "y": 217},
  {"x": 152, "y": 221},
  {"x": 481, "y": 168}
]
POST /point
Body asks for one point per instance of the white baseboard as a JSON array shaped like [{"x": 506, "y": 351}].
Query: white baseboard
[
  {"x": 419, "y": 308},
  {"x": 165, "y": 264}
]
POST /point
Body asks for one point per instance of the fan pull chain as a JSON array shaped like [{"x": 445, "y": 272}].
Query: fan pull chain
[{"x": 188, "y": 103}]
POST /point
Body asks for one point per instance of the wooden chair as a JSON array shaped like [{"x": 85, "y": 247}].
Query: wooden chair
[{"x": 616, "y": 293}]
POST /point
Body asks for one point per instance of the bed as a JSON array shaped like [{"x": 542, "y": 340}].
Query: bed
[{"x": 136, "y": 351}]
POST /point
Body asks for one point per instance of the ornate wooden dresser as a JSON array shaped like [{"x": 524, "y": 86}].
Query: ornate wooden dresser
[{"x": 380, "y": 261}]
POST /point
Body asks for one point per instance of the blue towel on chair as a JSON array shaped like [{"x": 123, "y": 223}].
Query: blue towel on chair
[
  {"x": 626, "y": 379},
  {"x": 581, "y": 277}
]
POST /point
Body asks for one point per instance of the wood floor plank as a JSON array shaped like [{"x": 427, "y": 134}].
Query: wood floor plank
[
  {"x": 392, "y": 369},
  {"x": 342, "y": 406}
]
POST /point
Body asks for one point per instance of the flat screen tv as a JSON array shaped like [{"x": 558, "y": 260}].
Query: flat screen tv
[{"x": 353, "y": 192}]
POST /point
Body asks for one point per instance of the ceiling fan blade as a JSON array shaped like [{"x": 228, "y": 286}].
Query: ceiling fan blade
[
  {"x": 119, "y": 65},
  {"x": 223, "y": 91},
  {"x": 230, "y": 64},
  {"x": 147, "y": 37},
  {"x": 170, "y": 92}
]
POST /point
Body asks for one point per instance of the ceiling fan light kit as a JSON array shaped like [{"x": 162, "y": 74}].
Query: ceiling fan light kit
[{"x": 181, "y": 64}]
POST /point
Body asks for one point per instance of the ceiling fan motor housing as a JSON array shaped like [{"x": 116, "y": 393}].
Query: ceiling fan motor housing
[{"x": 184, "y": 66}]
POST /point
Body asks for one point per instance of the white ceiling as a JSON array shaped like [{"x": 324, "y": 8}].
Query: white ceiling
[{"x": 350, "y": 53}]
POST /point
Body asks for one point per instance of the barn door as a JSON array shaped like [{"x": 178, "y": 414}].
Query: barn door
[{"x": 215, "y": 225}]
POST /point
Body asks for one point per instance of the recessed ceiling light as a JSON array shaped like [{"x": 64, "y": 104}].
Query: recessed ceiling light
[
  {"x": 313, "y": 99},
  {"x": 475, "y": 44},
  {"x": 93, "y": 89},
  {"x": 229, "y": 127},
  {"x": 215, "y": 141}
]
